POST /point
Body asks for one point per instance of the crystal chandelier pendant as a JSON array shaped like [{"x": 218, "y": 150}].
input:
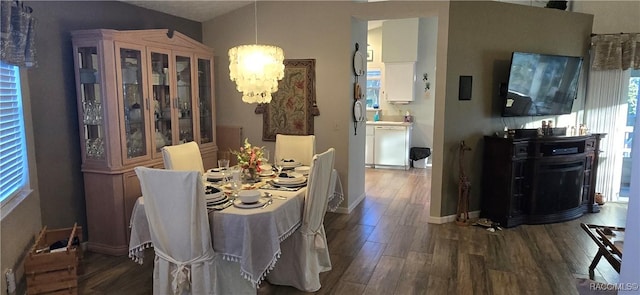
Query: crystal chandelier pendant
[{"x": 256, "y": 70}]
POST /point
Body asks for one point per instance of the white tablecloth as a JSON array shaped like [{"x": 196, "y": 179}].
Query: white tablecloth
[{"x": 250, "y": 237}]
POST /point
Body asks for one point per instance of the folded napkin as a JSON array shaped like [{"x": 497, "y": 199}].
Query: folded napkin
[
  {"x": 290, "y": 178},
  {"x": 256, "y": 185},
  {"x": 289, "y": 163},
  {"x": 276, "y": 187}
]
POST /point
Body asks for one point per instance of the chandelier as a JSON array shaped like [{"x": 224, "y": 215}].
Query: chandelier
[{"x": 256, "y": 69}]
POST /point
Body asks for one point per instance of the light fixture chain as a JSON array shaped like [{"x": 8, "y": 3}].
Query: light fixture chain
[{"x": 255, "y": 16}]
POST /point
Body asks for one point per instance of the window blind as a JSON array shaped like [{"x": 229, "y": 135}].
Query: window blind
[{"x": 13, "y": 172}]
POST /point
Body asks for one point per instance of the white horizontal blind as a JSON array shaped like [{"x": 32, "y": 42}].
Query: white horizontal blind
[{"x": 13, "y": 172}]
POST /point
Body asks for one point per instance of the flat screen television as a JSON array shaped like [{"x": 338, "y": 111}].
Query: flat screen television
[{"x": 541, "y": 84}]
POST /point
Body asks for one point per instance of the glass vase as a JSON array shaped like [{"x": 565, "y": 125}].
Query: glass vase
[{"x": 251, "y": 175}]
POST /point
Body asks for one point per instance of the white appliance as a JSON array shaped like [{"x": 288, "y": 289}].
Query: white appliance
[
  {"x": 391, "y": 146},
  {"x": 368, "y": 159}
]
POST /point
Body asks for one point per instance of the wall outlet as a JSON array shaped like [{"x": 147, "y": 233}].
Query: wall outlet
[{"x": 11, "y": 281}]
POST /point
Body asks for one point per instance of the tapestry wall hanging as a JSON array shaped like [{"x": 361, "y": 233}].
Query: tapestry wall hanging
[{"x": 293, "y": 106}]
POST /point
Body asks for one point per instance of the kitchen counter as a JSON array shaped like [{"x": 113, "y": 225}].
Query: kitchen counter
[{"x": 389, "y": 123}]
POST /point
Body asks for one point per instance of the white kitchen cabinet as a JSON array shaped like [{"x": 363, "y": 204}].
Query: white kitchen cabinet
[
  {"x": 400, "y": 40},
  {"x": 399, "y": 81},
  {"x": 368, "y": 160},
  {"x": 391, "y": 143}
]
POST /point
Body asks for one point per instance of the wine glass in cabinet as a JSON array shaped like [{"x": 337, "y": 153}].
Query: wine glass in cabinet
[{"x": 90, "y": 107}]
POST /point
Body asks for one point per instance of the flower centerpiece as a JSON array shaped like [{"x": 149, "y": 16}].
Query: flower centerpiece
[{"x": 249, "y": 159}]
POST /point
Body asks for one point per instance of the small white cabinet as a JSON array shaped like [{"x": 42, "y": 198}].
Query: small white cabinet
[
  {"x": 400, "y": 40},
  {"x": 399, "y": 83}
]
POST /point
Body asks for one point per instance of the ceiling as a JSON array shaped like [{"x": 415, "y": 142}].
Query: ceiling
[
  {"x": 204, "y": 10},
  {"x": 200, "y": 11}
]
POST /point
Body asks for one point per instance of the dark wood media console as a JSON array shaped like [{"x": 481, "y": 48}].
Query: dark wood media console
[{"x": 540, "y": 179}]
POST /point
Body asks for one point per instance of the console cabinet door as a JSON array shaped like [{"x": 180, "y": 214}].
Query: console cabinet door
[{"x": 517, "y": 203}]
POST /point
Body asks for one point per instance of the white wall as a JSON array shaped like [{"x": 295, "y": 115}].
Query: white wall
[
  {"x": 611, "y": 16},
  {"x": 423, "y": 108}
]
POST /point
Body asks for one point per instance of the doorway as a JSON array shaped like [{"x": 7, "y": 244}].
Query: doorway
[
  {"x": 633, "y": 94},
  {"x": 424, "y": 50}
]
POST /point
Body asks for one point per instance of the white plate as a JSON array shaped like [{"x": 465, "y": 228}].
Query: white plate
[
  {"x": 257, "y": 204},
  {"x": 304, "y": 170},
  {"x": 214, "y": 175},
  {"x": 289, "y": 164},
  {"x": 218, "y": 203},
  {"x": 268, "y": 173},
  {"x": 220, "y": 206},
  {"x": 288, "y": 185},
  {"x": 295, "y": 180},
  {"x": 214, "y": 197}
]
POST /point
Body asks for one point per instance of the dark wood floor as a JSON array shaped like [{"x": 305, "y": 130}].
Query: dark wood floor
[{"x": 386, "y": 246}]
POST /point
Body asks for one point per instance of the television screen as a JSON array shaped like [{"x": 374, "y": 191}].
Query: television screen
[{"x": 541, "y": 84}]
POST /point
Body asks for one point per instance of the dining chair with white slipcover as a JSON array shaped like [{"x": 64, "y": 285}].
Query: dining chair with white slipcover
[
  {"x": 297, "y": 147},
  {"x": 183, "y": 157},
  {"x": 305, "y": 253},
  {"x": 185, "y": 262}
]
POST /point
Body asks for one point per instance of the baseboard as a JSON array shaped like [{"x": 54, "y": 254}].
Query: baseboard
[
  {"x": 451, "y": 218},
  {"x": 353, "y": 205}
]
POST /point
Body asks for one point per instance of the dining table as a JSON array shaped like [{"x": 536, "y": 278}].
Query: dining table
[{"x": 249, "y": 236}]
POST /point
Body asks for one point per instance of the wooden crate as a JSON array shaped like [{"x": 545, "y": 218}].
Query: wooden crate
[{"x": 57, "y": 272}]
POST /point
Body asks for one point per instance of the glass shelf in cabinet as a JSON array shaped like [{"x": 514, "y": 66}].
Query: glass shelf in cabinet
[
  {"x": 88, "y": 76},
  {"x": 136, "y": 122}
]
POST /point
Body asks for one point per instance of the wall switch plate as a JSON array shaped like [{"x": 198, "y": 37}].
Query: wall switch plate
[{"x": 11, "y": 281}]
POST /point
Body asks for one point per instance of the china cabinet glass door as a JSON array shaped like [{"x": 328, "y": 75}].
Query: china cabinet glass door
[
  {"x": 162, "y": 105},
  {"x": 132, "y": 86},
  {"x": 183, "y": 102},
  {"x": 91, "y": 96},
  {"x": 205, "y": 100}
]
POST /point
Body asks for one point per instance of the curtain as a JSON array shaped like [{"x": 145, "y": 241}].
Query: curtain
[
  {"x": 17, "y": 37},
  {"x": 612, "y": 57},
  {"x": 612, "y": 52},
  {"x": 606, "y": 112}
]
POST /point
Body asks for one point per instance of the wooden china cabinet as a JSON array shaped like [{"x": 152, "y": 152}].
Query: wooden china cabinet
[{"x": 137, "y": 91}]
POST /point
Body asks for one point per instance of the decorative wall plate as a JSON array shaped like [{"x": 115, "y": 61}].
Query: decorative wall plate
[
  {"x": 359, "y": 63},
  {"x": 358, "y": 111}
]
